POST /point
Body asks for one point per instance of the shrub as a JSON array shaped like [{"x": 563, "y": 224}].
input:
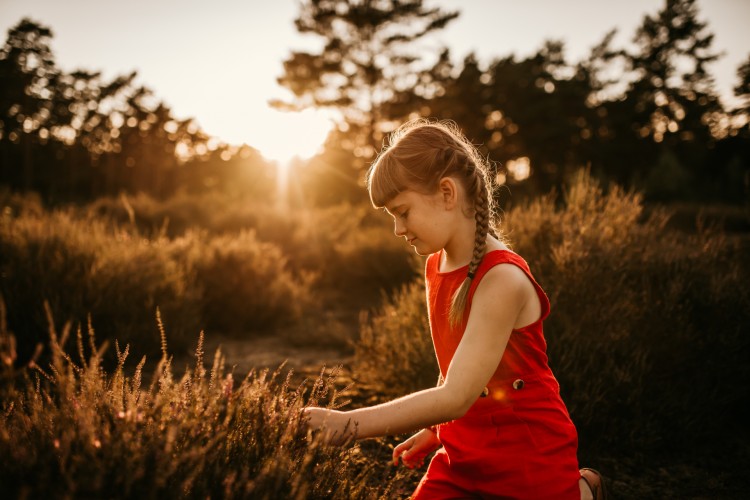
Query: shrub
[
  {"x": 79, "y": 432},
  {"x": 245, "y": 283},
  {"x": 394, "y": 352},
  {"x": 148, "y": 216},
  {"x": 354, "y": 254},
  {"x": 84, "y": 264},
  {"x": 347, "y": 247},
  {"x": 647, "y": 334},
  {"x": 643, "y": 321},
  {"x": 81, "y": 267},
  {"x": 371, "y": 262},
  {"x": 15, "y": 204}
]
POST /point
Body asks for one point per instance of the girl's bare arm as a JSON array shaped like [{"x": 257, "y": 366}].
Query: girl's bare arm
[{"x": 497, "y": 302}]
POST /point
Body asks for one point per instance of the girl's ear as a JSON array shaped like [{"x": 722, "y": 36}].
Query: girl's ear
[{"x": 448, "y": 190}]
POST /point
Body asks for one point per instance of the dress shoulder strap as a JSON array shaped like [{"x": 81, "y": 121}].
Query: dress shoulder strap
[{"x": 431, "y": 264}]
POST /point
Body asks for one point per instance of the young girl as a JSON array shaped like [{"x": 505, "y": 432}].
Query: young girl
[{"x": 497, "y": 416}]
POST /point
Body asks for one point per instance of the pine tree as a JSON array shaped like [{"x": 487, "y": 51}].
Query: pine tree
[
  {"x": 26, "y": 66},
  {"x": 674, "y": 99},
  {"x": 363, "y": 64}
]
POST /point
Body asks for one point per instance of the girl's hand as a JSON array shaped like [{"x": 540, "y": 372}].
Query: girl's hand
[
  {"x": 414, "y": 450},
  {"x": 336, "y": 426}
]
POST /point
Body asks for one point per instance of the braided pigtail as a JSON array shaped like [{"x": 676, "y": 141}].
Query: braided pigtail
[
  {"x": 483, "y": 217},
  {"x": 421, "y": 153}
]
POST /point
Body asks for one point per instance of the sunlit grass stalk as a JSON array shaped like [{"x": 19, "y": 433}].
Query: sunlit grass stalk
[{"x": 72, "y": 429}]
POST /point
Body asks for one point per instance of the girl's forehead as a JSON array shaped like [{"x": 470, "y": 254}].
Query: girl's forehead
[
  {"x": 400, "y": 199},
  {"x": 405, "y": 198}
]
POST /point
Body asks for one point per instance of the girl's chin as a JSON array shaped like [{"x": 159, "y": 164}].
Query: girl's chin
[{"x": 421, "y": 249}]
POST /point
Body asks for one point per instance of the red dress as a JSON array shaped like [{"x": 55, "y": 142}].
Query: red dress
[{"x": 517, "y": 441}]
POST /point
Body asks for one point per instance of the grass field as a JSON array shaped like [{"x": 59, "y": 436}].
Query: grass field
[{"x": 647, "y": 336}]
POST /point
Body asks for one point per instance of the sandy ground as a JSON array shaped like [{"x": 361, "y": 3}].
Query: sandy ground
[{"x": 244, "y": 355}]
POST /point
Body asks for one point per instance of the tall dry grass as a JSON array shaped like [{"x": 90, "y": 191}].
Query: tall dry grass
[
  {"x": 74, "y": 430},
  {"x": 648, "y": 330},
  {"x": 84, "y": 265},
  {"x": 644, "y": 321},
  {"x": 394, "y": 352}
]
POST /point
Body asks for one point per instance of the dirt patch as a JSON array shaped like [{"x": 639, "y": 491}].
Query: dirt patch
[{"x": 244, "y": 355}]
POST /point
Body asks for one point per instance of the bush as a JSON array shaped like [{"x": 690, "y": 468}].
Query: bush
[
  {"x": 644, "y": 320},
  {"x": 82, "y": 267},
  {"x": 648, "y": 330},
  {"x": 79, "y": 432},
  {"x": 15, "y": 204},
  {"x": 354, "y": 254},
  {"x": 149, "y": 216},
  {"x": 246, "y": 284},
  {"x": 394, "y": 352},
  {"x": 347, "y": 247}
]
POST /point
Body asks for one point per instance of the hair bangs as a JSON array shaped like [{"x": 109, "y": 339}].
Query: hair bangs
[{"x": 386, "y": 180}]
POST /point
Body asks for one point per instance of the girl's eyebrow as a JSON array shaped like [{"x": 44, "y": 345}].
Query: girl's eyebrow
[{"x": 393, "y": 209}]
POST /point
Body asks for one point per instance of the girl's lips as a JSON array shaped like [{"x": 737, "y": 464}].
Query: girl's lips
[{"x": 411, "y": 241}]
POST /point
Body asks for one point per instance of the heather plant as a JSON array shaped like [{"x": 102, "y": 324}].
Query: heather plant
[
  {"x": 394, "y": 351},
  {"x": 353, "y": 254},
  {"x": 245, "y": 284},
  {"x": 644, "y": 321},
  {"x": 73, "y": 430},
  {"x": 83, "y": 266},
  {"x": 15, "y": 204},
  {"x": 171, "y": 217},
  {"x": 370, "y": 263},
  {"x": 345, "y": 246},
  {"x": 86, "y": 266}
]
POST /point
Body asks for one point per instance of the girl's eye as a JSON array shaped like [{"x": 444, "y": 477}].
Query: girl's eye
[{"x": 404, "y": 214}]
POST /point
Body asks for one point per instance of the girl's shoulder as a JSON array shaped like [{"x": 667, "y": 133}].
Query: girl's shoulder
[
  {"x": 504, "y": 272},
  {"x": 504, "y": 268}
]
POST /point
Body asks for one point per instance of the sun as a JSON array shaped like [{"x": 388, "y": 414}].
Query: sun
[{"x": 290, "y": 135}]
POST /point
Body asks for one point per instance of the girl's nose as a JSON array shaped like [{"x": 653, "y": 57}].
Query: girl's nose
[{"x": 399, "y": 229}]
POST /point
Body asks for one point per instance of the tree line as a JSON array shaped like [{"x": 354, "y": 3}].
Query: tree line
[
  {"x": 74, "y": 136},
  {"x": 647, "y": 117}
]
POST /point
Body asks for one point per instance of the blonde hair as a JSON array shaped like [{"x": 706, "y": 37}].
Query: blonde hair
[{"x": 418, "y": 155}]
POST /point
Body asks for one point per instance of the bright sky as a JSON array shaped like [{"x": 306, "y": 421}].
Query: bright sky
[{"x": 218, "y": 61}]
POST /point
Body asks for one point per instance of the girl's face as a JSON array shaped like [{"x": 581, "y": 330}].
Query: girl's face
[{"x": 423, "y": 220}]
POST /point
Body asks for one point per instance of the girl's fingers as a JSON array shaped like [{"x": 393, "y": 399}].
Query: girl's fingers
[
  {"x": 413, "y": 457},
  {"x": 413, "y": 462},
  {"x": 400, "y": 449},
  {"x": 397, "y": 453}
]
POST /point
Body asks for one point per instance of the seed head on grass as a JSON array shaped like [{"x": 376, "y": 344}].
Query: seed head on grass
[{"x": 202, "y": 434}]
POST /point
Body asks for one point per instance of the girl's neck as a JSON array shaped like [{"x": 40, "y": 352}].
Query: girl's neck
[
  {"x": 459, "y": 249},
  {"x": 457, "y": 256}
]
